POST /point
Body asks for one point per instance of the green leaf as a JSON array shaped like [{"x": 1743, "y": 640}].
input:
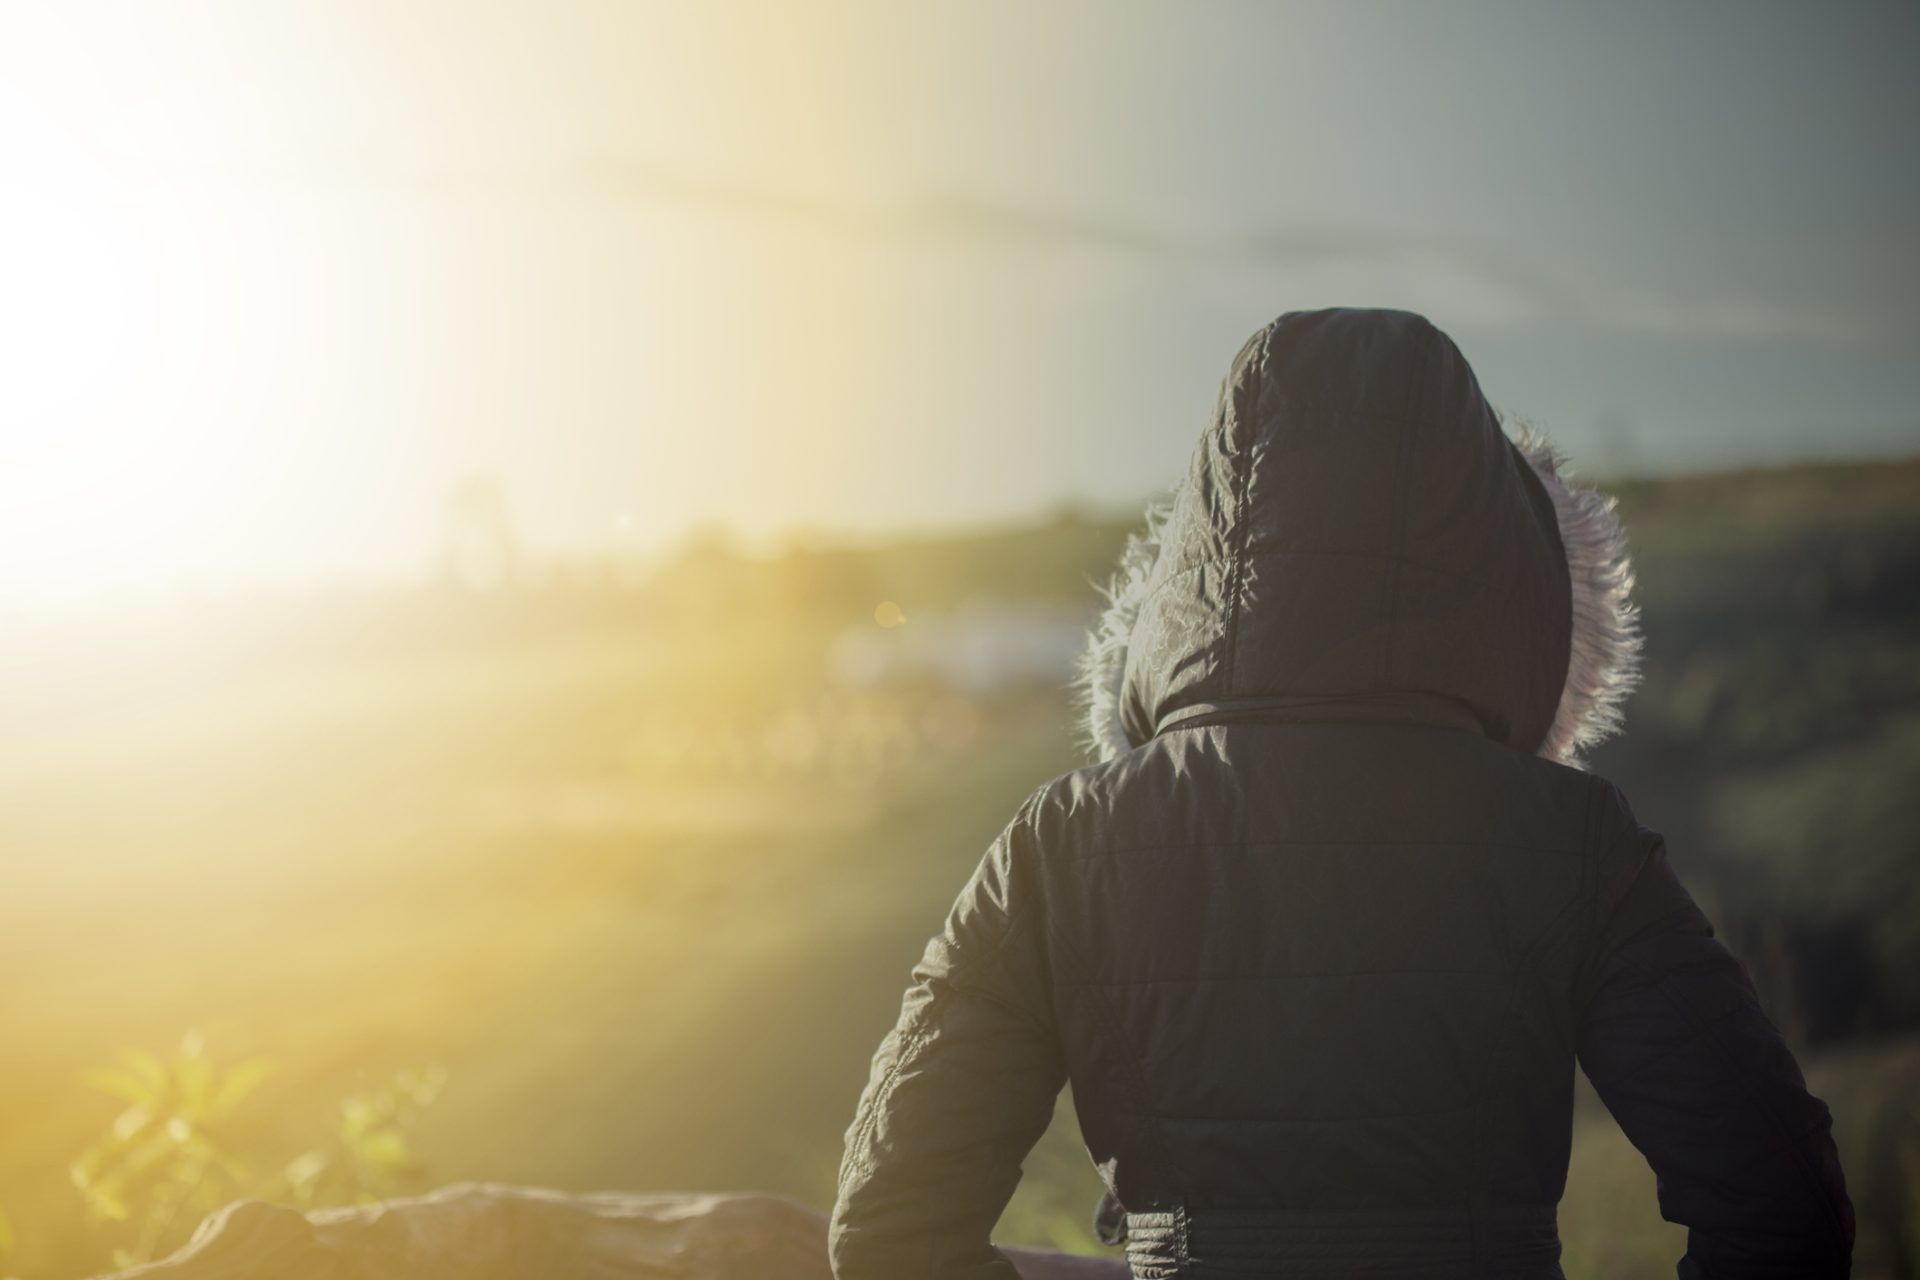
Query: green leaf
[
  {"x": 304, "y": 1174},
  {"x": 148, "y": 1067},
  {"x": 120, "y": 1083},
  {"x": 195, "y": 1077},
  {"x": 383, "y": 1149},
  {"x": 107, "y": 1206},
  {"x": 239, "y": 1082},
  {"x": 131, "y": 1123},
  {"x": 357, "y": 1115}
]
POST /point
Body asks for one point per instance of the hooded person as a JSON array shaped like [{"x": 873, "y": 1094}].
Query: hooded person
[{"x": 1319, "y": 940}]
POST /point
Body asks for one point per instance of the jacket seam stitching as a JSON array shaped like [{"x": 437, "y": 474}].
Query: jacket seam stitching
[
  {"x": 1098, "y": 854},
  {"x": 1480, "y": 1090},
  {"x": 1244, "y": 433},
  {"x": 1397, "y": 535},
  {"x": 1331, "y": 410},
  {"x": 1209, "y": 979},
  {"x": 1275, "y": 546},
  {"x": 858, "y": 1162},
  {"x": 1278, "y": 1120},
  {"x": 1591, "y": 853},
  {"x": 1017, "y": 909},
  {"x": 1658, "y": 925},
  {"x": 1695, "y": 1035},
  {"x": 1134, "y": 1070},
  {"x": 1782, "y": 1132}
]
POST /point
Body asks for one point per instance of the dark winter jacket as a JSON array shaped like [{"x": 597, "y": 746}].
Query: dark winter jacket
[{"x": 1319, "y": 942}]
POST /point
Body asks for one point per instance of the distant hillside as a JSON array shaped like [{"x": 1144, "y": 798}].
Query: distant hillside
[
  {"x": 643, "y": 861},
  {"x": 1776, "y": 740}
]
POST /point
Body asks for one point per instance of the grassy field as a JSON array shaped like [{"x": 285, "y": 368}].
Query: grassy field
[{"x": 646, "y": 882}]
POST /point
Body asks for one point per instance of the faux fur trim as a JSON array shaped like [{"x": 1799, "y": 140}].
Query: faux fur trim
[
  {"x": 1102, "y": 670},
  {"x": 1603, "y": 667}
]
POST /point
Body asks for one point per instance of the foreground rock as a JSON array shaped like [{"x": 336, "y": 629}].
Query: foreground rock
[{"x": 484, "y": 1232}]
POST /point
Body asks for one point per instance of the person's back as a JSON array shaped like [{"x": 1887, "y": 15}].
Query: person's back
[{"x": 1319, "y": 943}]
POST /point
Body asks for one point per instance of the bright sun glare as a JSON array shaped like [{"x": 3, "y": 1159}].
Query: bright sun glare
[{"x": 124, "y": 299}]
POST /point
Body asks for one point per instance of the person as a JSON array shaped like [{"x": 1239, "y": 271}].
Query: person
[{"x": 1318, "y": 942}]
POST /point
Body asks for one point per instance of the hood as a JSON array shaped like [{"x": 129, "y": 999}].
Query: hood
[{"x": 1356, "y": 533}]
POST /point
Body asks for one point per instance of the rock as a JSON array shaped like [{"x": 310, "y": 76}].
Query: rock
[{"x": 480, "y": 1231}]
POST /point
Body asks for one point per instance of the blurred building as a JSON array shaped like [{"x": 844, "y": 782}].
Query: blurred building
[{"x": 983, "y": 647}]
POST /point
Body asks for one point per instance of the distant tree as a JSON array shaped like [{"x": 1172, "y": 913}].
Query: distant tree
[{"x": 479, "y": 549}]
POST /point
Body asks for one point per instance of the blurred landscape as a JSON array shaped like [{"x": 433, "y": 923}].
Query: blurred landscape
[
  {"x": 540, "y": 543},
  {"x": 608, "y": 874}
]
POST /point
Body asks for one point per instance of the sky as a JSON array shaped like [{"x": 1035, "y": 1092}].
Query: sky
[{"x": 274, "y": 278}]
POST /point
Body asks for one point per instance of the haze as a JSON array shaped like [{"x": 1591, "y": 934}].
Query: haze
[{"x": 273, "y": 279}]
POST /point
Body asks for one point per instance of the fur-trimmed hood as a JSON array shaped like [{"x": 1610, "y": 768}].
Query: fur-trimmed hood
[{"x": 1355, "y": 529}]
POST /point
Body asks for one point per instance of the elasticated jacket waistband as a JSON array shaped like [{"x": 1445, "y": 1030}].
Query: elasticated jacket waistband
[{"x": 1439, "y": 1244}]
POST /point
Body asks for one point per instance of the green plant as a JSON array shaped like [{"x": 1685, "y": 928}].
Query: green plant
[
  {"x": 370, "y": 1152},
  {"x": 173, "y": 1155},
  {"x": 166, "y": 1160}
]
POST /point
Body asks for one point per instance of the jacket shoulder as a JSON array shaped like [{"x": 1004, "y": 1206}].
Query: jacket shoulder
[
  {"x": 1062, "y": 811},
  {"x": 1622, "y": 845}
]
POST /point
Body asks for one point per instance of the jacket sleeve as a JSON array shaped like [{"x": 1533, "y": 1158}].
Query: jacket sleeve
[
  {"x": 1674, "y": 1040},
  {"x": 960, "y": 1090}
]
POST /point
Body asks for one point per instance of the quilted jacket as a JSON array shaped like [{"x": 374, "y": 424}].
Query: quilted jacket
[{"x": 1318, "y": 943}]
